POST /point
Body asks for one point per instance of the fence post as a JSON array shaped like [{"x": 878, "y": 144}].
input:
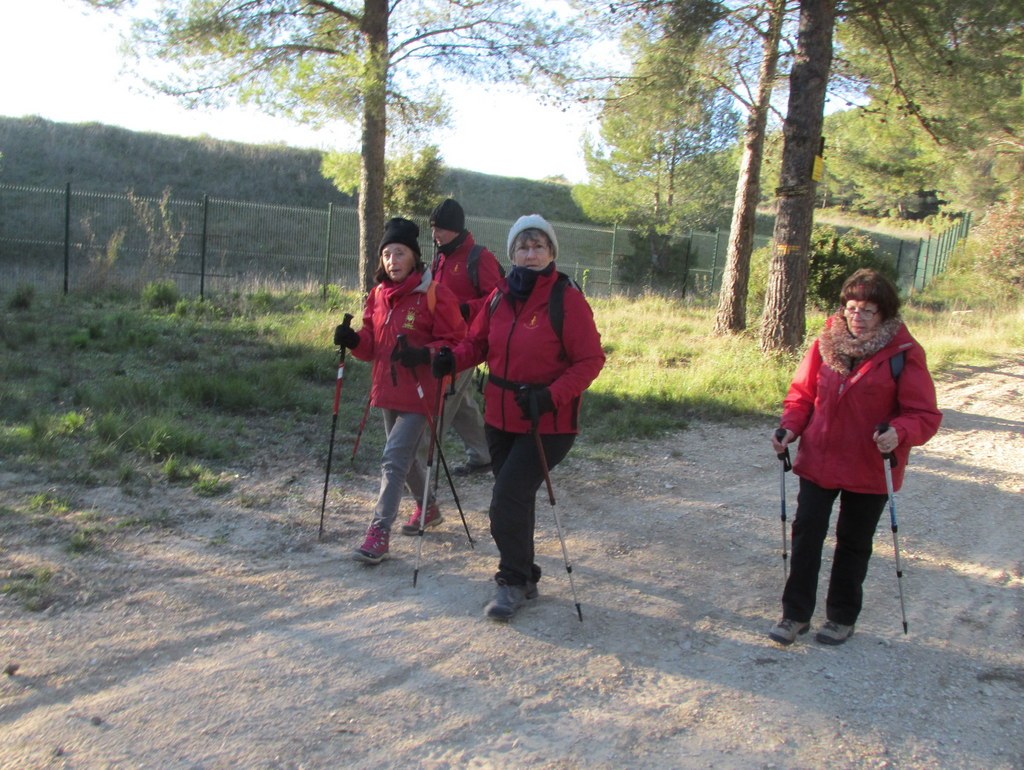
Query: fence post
[
  {"x": 202, "y": 248},
  {"x": 714, "y": 262},
  {"x": 67, "y": 235},
  {"x": 327, "y": 248},
  {"x": 611, "y": 263}
]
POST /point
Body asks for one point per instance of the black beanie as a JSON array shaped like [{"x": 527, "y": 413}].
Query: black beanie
[
  {"x": 449, "y": 216},
  {"x": 398, "y": 230}
]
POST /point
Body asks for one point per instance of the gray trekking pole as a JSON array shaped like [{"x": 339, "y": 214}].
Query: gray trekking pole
[
  {"x": 784, "y": 465},
  {"x": 535, "y": 421},
  {"x": 346, "y": 322},
  {"x": 889, "y": 462}
]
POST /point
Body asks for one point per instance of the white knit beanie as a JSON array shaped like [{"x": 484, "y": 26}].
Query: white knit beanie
[{"x": 533, "y": 222}]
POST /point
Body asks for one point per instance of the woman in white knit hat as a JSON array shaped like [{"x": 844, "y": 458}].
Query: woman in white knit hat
[{"x": 542, "y": 348}]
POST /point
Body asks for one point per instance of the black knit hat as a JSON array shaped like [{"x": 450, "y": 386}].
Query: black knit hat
[
  {"x": 398, "y": 230},
  {"x": 449, "y": 216}
]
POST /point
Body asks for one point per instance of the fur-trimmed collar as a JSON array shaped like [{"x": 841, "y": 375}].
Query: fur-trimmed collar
[{"x": 840, "y": 350}]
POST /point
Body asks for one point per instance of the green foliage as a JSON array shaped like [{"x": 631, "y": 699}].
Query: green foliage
[
  {"x": 955, "y": 67},
  {"x": 21, "y": 298},
  {"x": 411, "y": 180},
  {"x": 664, "y": 162},
  {"x": 880, "y": 162},
  {"x": 833, "y": 259},
  {"x": 1001, "y": 239},
  {"x": 160, "y": 295}
]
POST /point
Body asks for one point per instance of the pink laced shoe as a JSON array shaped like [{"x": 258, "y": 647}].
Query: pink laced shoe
[
  {"x": 434, "y": 517},
  {"x": 374, "y": 549}
]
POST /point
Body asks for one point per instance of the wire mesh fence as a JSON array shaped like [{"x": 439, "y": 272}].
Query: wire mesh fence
[{"x": 55, "y": 240}]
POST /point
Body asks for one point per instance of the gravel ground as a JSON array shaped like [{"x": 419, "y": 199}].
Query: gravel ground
[{"x": 222, "y": 634}]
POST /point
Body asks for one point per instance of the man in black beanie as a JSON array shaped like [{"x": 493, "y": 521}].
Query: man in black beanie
[{"x": 471, "y": 272}]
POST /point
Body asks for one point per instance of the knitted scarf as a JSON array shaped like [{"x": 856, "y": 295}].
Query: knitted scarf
[{"x": 841, "y": 351}]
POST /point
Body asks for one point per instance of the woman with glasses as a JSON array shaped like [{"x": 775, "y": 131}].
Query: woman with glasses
[
  {"x": 537, "y": 375},
  {"x": 863, "y": 371}
]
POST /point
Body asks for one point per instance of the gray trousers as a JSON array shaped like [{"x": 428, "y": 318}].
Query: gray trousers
[
  {"x": 462, "y": 413},
  {"x": 400, "y": 467}
]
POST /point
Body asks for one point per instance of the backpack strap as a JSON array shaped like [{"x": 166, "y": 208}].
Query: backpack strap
[
  {"x": 473, "y": 266},
  {"x": 896, "y": 364}
]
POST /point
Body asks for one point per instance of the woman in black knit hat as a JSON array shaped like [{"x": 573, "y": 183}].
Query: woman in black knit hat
[{"x": 407, "y": 302}]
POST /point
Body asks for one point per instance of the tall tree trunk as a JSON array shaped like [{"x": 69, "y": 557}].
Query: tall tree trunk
[
  {"x": 784, "y": 321},
  {"x": 374, "y": 138},
  {"x": 732, "y": 298}
]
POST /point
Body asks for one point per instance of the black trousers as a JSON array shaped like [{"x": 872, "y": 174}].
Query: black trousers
[
  {"x": 855, "y": 530},
  {"x": 517, "y": 478}
]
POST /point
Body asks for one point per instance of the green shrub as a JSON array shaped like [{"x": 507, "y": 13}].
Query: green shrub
[
  {"x": 22, "y": 297},
  {"x": 833, "y": 259},
  {"x": 1001, "y": 236},
  {"x": 160, "y": 295}
]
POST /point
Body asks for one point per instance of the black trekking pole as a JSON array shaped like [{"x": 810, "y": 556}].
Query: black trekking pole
[
  {"x": 345, "y": 322},
  {"x": 437, "y": 442},
  {"x": 889, "y": 462},
  {"x": 535, "y": 423},
  {"x": 362, "y": 424},
  {"x": 784, "y": 465}
]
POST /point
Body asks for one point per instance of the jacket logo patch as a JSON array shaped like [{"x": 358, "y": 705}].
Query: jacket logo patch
[
  {"x": 455, "y": 269},
  {"x": 532, "y": 323},
  {"x": 410, "y": 319}
]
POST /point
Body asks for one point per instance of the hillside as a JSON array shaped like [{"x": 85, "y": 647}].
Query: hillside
[{"x": 102, "y": 158}]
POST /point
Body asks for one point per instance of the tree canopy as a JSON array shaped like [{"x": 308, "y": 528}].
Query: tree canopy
[{"x": 373, "y": 62}]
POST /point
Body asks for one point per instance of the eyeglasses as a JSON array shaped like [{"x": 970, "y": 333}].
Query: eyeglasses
[
  {"x": 866, "y": 313},
  {"x": 535, "y": 246}
]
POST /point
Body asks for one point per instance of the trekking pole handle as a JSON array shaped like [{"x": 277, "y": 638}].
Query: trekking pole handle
[
  {"x": 780, "y": 433},
  {"x": 346, "y": 323},
  {"x": 882, "y": 427}
]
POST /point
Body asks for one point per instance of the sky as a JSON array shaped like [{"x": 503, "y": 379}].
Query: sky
[{"x": 61, "y": 61}]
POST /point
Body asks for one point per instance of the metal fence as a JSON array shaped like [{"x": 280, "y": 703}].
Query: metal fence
[{"x": 57, "y": 239}]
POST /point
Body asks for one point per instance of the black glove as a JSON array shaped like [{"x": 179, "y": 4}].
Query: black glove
[
  {"x": 345, "y": 337},
  {"x": 411, "y": 357},
  {"x": 464, "y": 309},
  {"x": 528, "y": 395},
  {"x": 444, "y": 363}
]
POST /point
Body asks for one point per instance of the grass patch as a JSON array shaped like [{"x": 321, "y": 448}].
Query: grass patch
[{"x": 33, "y": 590}]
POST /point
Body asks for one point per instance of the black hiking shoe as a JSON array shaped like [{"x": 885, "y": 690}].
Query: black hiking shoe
[
  {"x": 468, "y": 469},
  {"x": 507, "y": 599}
]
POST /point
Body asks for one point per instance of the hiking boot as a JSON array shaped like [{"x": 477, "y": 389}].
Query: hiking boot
[
  {"x": 507, "y": 600},
  {"x": 468, "y": 469},
  {"x": 412, "y": 526},
  {"x": 531, "y": 590},
  {"x": 374, "y": 549},
  {"x": 787, "y": 630},
  {"x": 833, "y": 633}
]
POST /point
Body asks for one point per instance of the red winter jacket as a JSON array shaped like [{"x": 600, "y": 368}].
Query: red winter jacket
[
  {"x": 521, "y": 347},
  {"x": 835, "y": 415},
  {"x": 451, "y": 271},
  {"x": 406, "y": 312}
]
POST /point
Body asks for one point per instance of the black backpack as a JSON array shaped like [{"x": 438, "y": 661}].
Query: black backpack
[{"x": 473, "y": 266}]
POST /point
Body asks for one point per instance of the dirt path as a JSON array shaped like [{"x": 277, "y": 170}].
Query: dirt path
[{"x": 228, "y": 637}]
